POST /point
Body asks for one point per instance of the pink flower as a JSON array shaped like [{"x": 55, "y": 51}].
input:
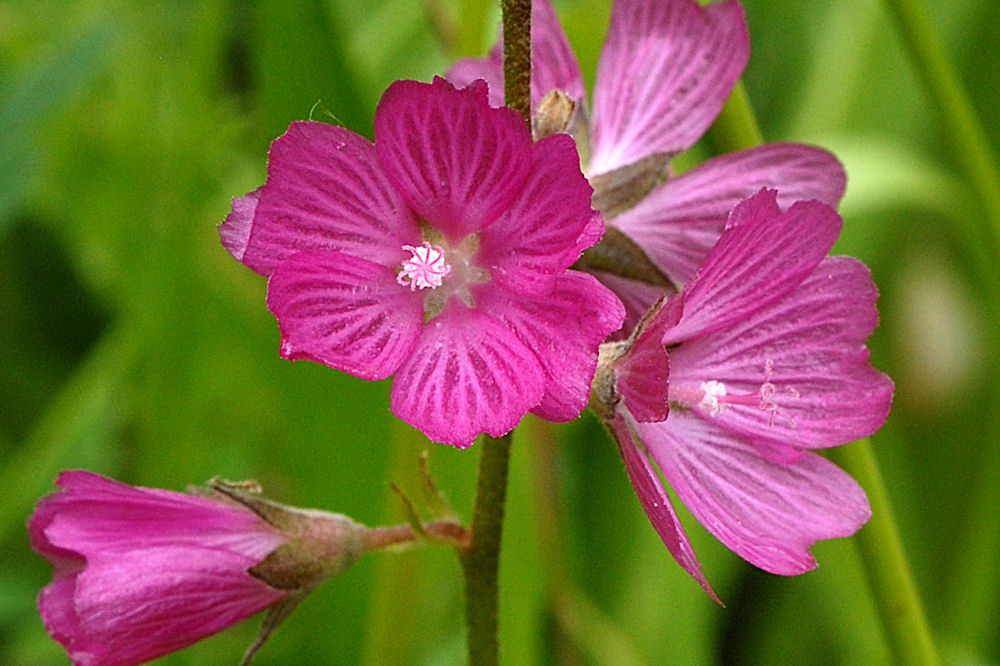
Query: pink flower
[
  {"x": 438, "y": 254},
  {"x": 666, "y": 69},
  {"x": 141, "y": 572},
  {"x": 731, "y": 383}
]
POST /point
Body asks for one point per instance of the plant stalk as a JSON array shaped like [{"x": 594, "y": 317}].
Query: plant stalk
[{"x": 481, "y": 560}]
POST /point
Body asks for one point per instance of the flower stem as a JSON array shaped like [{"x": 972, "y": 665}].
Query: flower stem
[
  {"x": 481, "y": 561},
  {"x": 885, "y": 562},
  {"x": 954, "y": 109},
  {"x": 736, "y": 127},
  {"x": 517, "y": 56},
  {"x": 379, "y": 538}
]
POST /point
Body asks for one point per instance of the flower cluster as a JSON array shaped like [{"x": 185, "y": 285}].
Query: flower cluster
[
  {"x": 745, "y": 346},
  {"x": 496, "y": 270},
  {"x": 666, "y": 69}
]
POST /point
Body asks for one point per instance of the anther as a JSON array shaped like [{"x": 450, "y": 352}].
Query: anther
[{"x": 426, "y": 268}]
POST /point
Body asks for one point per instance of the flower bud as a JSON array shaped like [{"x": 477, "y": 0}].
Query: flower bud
[{"x": 141, "y": 572}]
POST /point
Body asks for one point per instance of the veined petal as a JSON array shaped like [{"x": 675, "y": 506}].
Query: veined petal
[
  {"x": 94, "y": 514},
  {"x": 656, "y": 503},
  {"x": 197, "y": 592},
  {"x": 563, "y": 330},
  {"x": 553, "y": 63},
  {"x": 539, "y": 236},
  {"x": 458, "y": 162},
  {"x": 637, "y": 297},
  {"x": 809, "y": 349},
  {"x": 666, "y": 69},
  {"x": 325, "y": 190},
  {"x": 678, "y": 249},
  {"x": 490, "y": 69},
  {"x": 344, "y": 312},
  {"x": 679, "y": 222},
  {"x": 762, "y": 256},
  {"x": 234, "y": 232},
  {"x": 767, "y": 512},
  {"x": 468, "y": 374},
  {"x": 56, "y": 607},
  {"x": 643, "y": 373}
]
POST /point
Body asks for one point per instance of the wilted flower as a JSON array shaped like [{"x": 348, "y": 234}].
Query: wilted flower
[
  {"x": 666, "y": 69},
  {"x": 141, "y": 572},
  {"x": 729, "y": 384},
  {"x": 440, "y": 254}
]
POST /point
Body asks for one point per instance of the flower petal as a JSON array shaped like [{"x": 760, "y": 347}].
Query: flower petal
[
  {"x": 563, "y": 330},
  {"x": 182, "y": 595},
  {"x": 325, "y": 190},
  {"x": 810, "y": 347},
  {"x": 643, "y": 373},
  {"x": 94, "y": 515},
  {"x": 665, "y": 71},
  {"x": 56, "y": 607},
  {"x": 490, "y": 69},
  {"x": 234, "y": 232},
  {"x": 468, "y": 374},
  {"x": 539, "y": 236},
  {"x": 458, "y": 162},
  {"x": 656, "y": 503},
  {"x": 762, "y": 255},
  {"x": 553, "y": 63},
  {"x": 344, "y": 312},
  {"x": 637, "y": 297},
  {"x": 767, "y": 512},
  {"x": 679, "y": 222}
]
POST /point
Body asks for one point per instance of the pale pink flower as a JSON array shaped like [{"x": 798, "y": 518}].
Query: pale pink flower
[
  {"x": 141, "y": 572},
  {"x": 729, "y": 385},
  {"x": 440, "y": 254},
  {"x": 666, "y": 68}
]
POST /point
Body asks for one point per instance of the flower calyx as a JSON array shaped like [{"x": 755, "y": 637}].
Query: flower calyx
[{"x": 320, "y": 544}]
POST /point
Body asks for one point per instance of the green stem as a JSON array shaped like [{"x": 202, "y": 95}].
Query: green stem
[
  {"x": 954, "y": 109},
  {"x": 517, "y": 56},
  {"x": 736, "y": 127},
  {"x": 886, "y": 567},
  {"x": 481, "y": 561},
  {"x": 888, "y": 571}
]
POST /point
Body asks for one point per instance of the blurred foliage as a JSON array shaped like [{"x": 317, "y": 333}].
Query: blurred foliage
[{"x": 133, "y": 345}]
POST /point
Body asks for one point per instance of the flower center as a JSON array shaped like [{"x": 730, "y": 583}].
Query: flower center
[
  {"x": 425, "y": 269},
  {"x": 712, "y": 397}
]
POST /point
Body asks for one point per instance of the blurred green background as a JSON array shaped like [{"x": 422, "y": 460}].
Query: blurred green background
[{"x": 135, "y": 346}]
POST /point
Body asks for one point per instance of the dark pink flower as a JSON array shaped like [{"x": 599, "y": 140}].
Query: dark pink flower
[
  {"x": 141, "y": 572},
  {"x": 438, "y": 254},
  {"x": 731, "y": 383},
  {"x": 666, "y": 69}
]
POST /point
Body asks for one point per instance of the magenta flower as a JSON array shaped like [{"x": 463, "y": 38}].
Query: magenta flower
[
  {"x": 438, "y": 254},
  {"x": 666, "y": 69},
  {"x": 729, "y": 384},
  {"x": 142, "y": 572}
]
